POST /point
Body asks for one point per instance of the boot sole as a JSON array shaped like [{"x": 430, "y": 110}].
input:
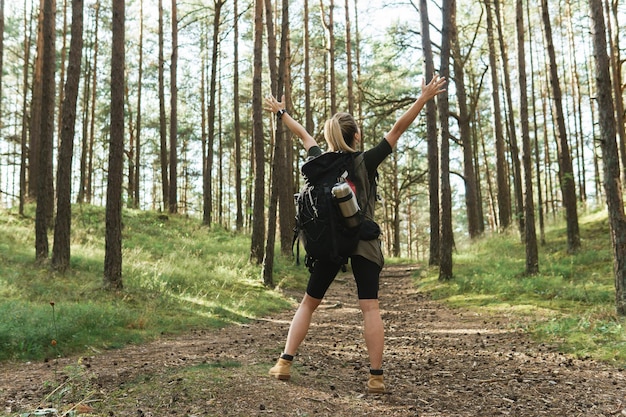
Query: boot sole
[{"x": 281, "y": 377}]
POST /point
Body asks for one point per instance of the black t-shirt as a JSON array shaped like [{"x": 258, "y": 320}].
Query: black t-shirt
[{"x": 372, "y": 157}]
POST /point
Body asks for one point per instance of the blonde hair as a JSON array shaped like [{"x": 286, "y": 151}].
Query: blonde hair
[{"x": 339, "y": 132}]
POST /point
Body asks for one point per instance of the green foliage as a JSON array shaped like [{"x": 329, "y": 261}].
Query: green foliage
[
  {"x": 178, "y": 275},
  {"x": 571, "y": 301}
]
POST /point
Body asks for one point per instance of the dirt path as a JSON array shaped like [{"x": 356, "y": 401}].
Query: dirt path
[{"x": 438, "y": 362}]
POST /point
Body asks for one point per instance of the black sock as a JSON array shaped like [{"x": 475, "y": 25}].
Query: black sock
[
  {"x": 286, "y": 357},
  {"x": 376, "y": 371}
]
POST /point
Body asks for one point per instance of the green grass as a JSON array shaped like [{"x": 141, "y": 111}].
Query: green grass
[
  {"x": 570, "y": 302},
  {"x": 178, "y": 275}
]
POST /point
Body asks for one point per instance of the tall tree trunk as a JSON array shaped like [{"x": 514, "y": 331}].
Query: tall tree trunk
[
  {"x": 62, "y": 68},
  {"x": 308, "y": 111},
  {"x": 208, "y": 181},
  {"x": 113, "y": 234},
  {"x": 433, "y": 145},
  {"x": 45, "y": 196},
  {"x": 35, "y": 111},
  {"x": 447, "y": 239},
  {"x": 329, "y": 24},
  {"x": 540, "y": 210},
  {"x": 84, "y": 185},
  {"x": 530, "y": 235},
  {"x": 92, "y": 127},
  {"x": 258, "y": 205},
  {"x": 137, "y": 171},
  {"x": 62, "y": 225},
  {"x": 613, "y": 189},
  {"x": 349, "y": 78},
  {"x": 504, "y": 195},
  {"x": 514, "y": 148},
  {"x": 173, "y": 186},
  {"x": 616, "y": 76},
  {"x": 286, "y": 187},
  {"x": 469, "y": 175},
  {"x": 25, "y": 87},
  {"x": 162, "y": 117},
  {"x": 568, "y": 186},
  {"x": 238, "y": 181}
]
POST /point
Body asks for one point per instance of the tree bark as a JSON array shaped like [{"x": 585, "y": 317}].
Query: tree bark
[
  {"x": 474, "y": 227},
  {"x": 45, "y": 196},
  {"x": 173, "y": 185},
  {"x": 113, "y": 234},
  {"x": 35, "y": 110},
  {"x": 568, "y": 186},
  {"x": 447, "y": 239},
  {"x": 612, "y": 186},
  {"x": 162, "y": 117},
  {"x": 329, "y": 24},
  {"x": 504, "y": 194},
  {"x": 513, "y": 145},
  {"x": 62, "y": 225},
  {"x": 238, "y": 181},
  {"x": 433, "y": 145},
  {"x": 258, "y": 209},
  {"x": 530, "y": 235}
]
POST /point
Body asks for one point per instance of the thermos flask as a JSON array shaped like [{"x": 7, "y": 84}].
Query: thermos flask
[{"x": 349, "y": 207}]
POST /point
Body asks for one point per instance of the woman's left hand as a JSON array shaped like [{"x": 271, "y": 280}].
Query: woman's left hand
[{"x": 273, "y": 105}]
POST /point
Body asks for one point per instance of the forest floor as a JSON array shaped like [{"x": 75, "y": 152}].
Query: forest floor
[{"x": 438, "y": 362}]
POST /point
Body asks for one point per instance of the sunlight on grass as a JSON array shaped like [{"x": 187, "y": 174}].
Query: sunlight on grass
[
  {"x": 571, "y": 300},
  {"x": 178, "y": 275}
]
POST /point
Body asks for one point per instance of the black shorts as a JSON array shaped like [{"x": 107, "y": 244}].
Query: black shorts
[{"x": 366, "y": 274}]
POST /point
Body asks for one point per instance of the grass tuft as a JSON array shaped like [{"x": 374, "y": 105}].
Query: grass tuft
[
  {"x": 178, "y": 275},
  {"x": 571, "y": 301}
]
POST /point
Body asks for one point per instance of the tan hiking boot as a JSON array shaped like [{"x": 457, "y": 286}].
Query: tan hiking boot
[
  {"x": 282, "y": 370},
  {"x": 375, "y": 384}
]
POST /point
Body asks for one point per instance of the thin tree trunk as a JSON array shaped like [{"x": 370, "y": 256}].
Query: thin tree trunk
[
  {"x": 542, "y": 235},
  {"x": 504, "y": 196},
  {"x": 329, "y": 24},
  {"x": 238, "y": 181},
  {"x": 62, "y": 68},
  {"x": 45, "y": 197},
  {"x": 62, "y": 225},
  {"x": 137, "y": 171},
  {"x": 258, "y": 206},
  {"x": 433, "y": 145},
  {"x": 173, "y": 185},
  {"x": 447, "y": 238},
  {"x": 35, "y": 112},
  {"x": 613, "y": 189},
  {"x": 469, "y": 174},
  {"x": 25, "y": 87},
  {"x": 616, "y": 77},
  {"x": 517, "y": 174},
  {"x": 349, "y": 78},
  {"x": 530, "y": 235},
  {"x": 113, "y": 234},
  {"x": 308, "y": 111},
  {"x": 568, "y": 186},
  {"x": 162, "y": 117}
]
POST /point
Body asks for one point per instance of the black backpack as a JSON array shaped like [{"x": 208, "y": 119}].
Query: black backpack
[{"x": 319, "y": 223}]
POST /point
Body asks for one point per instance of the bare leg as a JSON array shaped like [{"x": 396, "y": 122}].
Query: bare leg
[
  {"x": 300, "y": 323},
  {"x": 374, "y": 332}
]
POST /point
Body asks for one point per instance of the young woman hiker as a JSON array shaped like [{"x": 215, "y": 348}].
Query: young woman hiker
[{"x": 342, "y": 134}]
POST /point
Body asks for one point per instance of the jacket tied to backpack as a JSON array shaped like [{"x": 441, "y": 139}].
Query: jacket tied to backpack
[{"x": 330, "y": 215}]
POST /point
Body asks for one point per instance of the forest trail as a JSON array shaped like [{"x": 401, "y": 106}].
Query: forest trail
[{"x": 438, "y": 362}]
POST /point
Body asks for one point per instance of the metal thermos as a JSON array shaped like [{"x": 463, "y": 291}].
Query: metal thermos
[{"x": 349, "y": 207}]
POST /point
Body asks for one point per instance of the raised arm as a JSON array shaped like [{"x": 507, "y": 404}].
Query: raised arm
[
  {"x": 430, "y": 90},
  {"x": 277, "y": 107}
]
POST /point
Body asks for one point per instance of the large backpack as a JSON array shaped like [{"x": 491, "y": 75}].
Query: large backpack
[{"x": 320, "y": 225}]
